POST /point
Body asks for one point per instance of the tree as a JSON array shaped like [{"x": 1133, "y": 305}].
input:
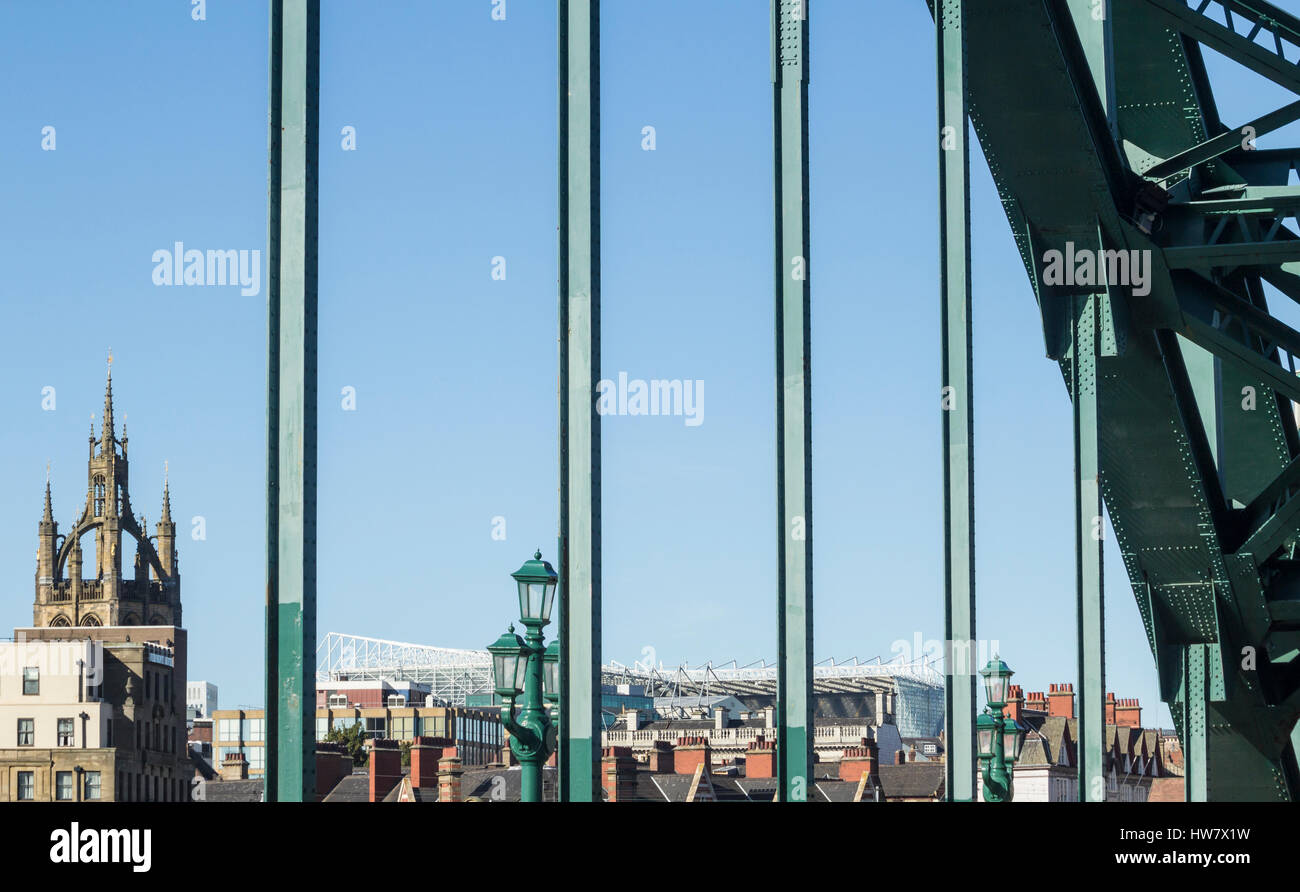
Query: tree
[{"x": 354, "y": 739}]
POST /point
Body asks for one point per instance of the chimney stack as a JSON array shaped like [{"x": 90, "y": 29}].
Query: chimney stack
[
  {"x": 333, "y": 763},
  {"x": 719, "y": 718},
  {"x": 1129, "y": 713},
  {"x": 618, "y": 773},
  {"x": 632, "y": 719},
  {"x": 900, "y": 756},
  {"x": 1015, "y": 703},
  {"x": 859, "y": 760},
  {"x": 760, "y": 758},
  {"x": 1036, "y": 701},
  {"x": 1110, "y": 708},
  {"x": 234, "y": 767},
  {"x": 769, "y": 716},
  {"x": 691, "y": 752},
  {"x": 425, "y": 753},
  {"x": 449, "y": 774},
  {"x": 1060, "y": 700},
  {"x": 385, "y": 767},
  {"x": 661, "y": 757}
]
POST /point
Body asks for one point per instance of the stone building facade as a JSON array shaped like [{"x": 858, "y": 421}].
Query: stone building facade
[{"x": 134, "y": 703}]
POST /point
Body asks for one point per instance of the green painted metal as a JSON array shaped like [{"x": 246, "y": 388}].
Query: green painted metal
[
  {"x": 579, "y": 540},
  {"x": 1097, "y": 43},
  {"x": 1085, "y": 395},
  {"x": 291, "y": 401},
  {"x": 1195, "y": 725},
  {"x": 1224, "y": 143},
  {"x": 532, "y": 731},
  {"x": 1194, "y": 426},
  {"x": 1207, "y": 21},
  {"x": 957, "y": 402},
  {"x": 794, "y": 750}
]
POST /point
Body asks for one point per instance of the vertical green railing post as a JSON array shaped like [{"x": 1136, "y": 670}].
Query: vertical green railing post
[
  {"x": 1195, "y": 687},
  {"x": 956, "y": 403},
  {"x": 1093, "y": 24},
  {"x": 794, "y": 751},
  {"x": 291, "y": 401},
  {"x": 1089, "y": 535},
  {"x": 579, "y": 544}
]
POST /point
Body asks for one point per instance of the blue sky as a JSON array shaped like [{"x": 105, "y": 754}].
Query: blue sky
[{"x": 160, "y": 125}]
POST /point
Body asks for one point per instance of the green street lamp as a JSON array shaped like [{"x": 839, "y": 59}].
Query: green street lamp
[
  {"x": 998, "y": 737},
  {"x": 551, "y": 673},
  {"x": 525, "y": 666}
]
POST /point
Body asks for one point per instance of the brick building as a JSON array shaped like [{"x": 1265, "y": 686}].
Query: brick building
[{"x": 1047, "y": 770}]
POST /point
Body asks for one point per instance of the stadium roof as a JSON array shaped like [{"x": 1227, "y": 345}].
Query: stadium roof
[{"x": 453, "y": 674}]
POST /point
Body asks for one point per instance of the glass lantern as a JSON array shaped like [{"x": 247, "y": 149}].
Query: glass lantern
[
  {"x": 997, "y": 682},
  {"x": 536, "y": 580},
  {"x": 509, "y": 664}
]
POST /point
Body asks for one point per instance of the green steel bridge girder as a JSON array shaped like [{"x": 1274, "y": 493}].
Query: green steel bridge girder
[
  {"x": 1200, "y": 490},
  {"x": 294, "y": 121},
  {"x": 578, "y": 753},
  {"x": 794, "y": 751}
]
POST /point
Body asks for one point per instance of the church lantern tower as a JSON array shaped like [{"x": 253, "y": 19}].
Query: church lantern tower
[{"x": 104, "y": 596}]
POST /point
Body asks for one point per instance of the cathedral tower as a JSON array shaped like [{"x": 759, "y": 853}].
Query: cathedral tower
[{"x": 105, "y": 597}]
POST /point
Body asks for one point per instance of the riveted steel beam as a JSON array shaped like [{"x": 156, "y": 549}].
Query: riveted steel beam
[
  {"x": 1225, "y": 142},
  {"x": 956, "y": 402},
  {"x": 291, "y": 401},
  {"x": 1221, "y": 34},
  {"x": 1085, "y": 384},
  {"x": 793, "y": 400}
]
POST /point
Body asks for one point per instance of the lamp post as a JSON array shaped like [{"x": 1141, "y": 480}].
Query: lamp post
[
  {"x": 525, "y": 666},
  {"x": 998, "y": 737}
]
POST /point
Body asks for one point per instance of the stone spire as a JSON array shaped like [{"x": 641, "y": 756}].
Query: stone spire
[
  {"x": 106, "y": 444},
  {"x": 48, "y": 516},
  {"x": 167, "y": 498}
]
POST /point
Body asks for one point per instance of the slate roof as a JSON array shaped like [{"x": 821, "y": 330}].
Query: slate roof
[
  {"x": 232, "y": 790},
  {"x": 353, "y": 788},
  {"x": 914, "y": 780},
  {"x": 1061, "y": 735},
  {"x": 836, "y": 790},
  {"x": 481, "y": 782},
  {"x": 419, "y": 794}
]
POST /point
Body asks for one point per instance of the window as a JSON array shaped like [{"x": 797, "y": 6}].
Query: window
[
  {"x": 256, "y": 757},
  {"x": 402, "y": 727},
  {"x": 396, "y": 700},
  {"x": 228, "y": 730},
  {"x": 340, "y": 700},
  {"x": 377, "y": 727},
  {"x": 31, "y": 680},
  {"x": 26, "y": 732},
  {"x": 26, "y": 786},
  {"x": 63, "y": 786},
  {"x": 99, "y": 496},
  {"x": 65, "y": 732},
  {"x": 321, "y": 726},
  {"x": 251, "y": 729}
]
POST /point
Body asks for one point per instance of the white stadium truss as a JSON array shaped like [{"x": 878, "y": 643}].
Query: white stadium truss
[
  {"x": 454, "y": 674},
  {"x": 451, "y": 674}
]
